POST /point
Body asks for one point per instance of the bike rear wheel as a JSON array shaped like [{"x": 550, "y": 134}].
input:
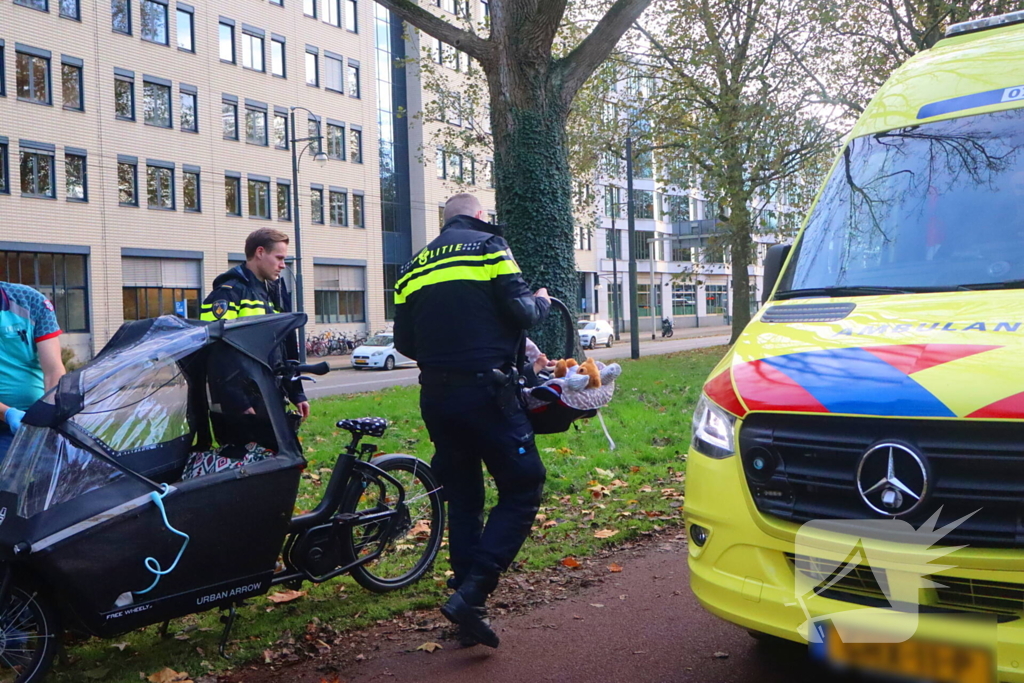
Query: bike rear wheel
[
  {"x": 409, "y": 540},
  {"x": 29, "y": 635}
]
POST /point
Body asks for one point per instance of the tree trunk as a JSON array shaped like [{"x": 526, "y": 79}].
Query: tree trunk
[{"x": 534, "y": 195}]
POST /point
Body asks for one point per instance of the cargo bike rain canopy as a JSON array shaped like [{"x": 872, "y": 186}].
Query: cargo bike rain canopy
[{"x": 114, "y": 430}]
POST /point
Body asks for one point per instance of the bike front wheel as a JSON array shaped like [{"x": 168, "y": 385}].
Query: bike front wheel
[{"x": 408, "y": 540}]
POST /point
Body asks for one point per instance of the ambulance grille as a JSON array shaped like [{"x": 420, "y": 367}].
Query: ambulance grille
[
  {"x": 955, "y": 593},
  {"x": 973, "y": 467}
]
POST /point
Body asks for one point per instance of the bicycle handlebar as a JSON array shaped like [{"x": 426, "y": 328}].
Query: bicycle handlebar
[{"x": 294, "y": 369}]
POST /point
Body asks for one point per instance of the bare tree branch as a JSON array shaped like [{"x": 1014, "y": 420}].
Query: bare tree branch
[
  {"x": 476, "y": 47},
  {"x": 575, "y": 68}
]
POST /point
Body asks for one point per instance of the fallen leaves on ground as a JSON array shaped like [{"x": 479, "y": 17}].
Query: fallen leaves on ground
[
  {"x": 721, "y": 655},
  {"x": 571, "y": 563},
  {"x": 286, "y": 596},
  {"x": 605, "y": 533},
  {"x": 615, "y": 568},
  {"x": 169, "y": 675},
  {"x": 97, "y": 674},
  {"x": 430, "y": 647}
]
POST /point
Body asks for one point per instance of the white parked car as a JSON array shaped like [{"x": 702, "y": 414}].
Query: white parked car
[
  {"x": 594, "y": 332},
  {"x": 379, "y": 352}
]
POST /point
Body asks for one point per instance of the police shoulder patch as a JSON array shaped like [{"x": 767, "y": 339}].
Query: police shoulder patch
[{"x": 219, "y": 308}]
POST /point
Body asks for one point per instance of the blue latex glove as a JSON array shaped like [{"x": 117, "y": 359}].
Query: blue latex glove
[{"x": 13, "y": 419}]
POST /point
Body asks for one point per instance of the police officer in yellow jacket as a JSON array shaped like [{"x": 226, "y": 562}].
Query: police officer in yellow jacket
[
  {"x": 254, "y": 288},
  {"x": 461, "y": 309}
]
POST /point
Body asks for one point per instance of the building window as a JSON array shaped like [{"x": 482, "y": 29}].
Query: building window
[
  {"x": 189, "y": 122},
  {"x": 191, "y": 191},
  {"x": 336, "y": 141},
  {"x": 256, "y": 127},
  {"x": 259, "y": 199},
  {"x": 490, "y": 173},
  {"x": 280, "y": 131},
  {"x": 3, "y": 68},
  {"x": 316, "y": 205},
  {"x": 312, "y": 74},
  {"x": 333, "y": 12},
  {"x": 233, "y": 195},
  {"x": 41, "y": 5},
  {"x": 643, "y": 300},
  {"x": 454, "y": 166},
  {"x": 229, "y": 117},
  {"x": 140, "y": 303},
  {"x": 124, "y": 98},
  {"x": 716, "y": 298},
  {"x": 252, "y": 52},
  {"x": 612, "y": 202},
  {"x": 309, "y": 8},
  {"x": 71, "y": 82},
  {"x": 121, "y": 16},
  {"x": 5, "y": 179},
  {"x": 37, "y": 175},
  {"x": 340, "y": 293},
  {"x": 613, "y": 244},
  {"x": 186, "y": 31},
  {"x": 641, "y": 247},
  {"x": 127, "y": 184},
  {"x": 75, "y": 178},
  {"x": 154, "y": 22},
  {"x": 61, "y": 278},
  {"x": 353, "y": 80},
  {"x": 160, "y": 187},
  {"x": 69, "y": 9},
  {"x": 316, "y": 138},
  {"x": 333, "y": 74},
  {"x": 156, "y": 104},
  {"x": 339, "y": 208},
  {"x": 355, "y": 148},
  {"x": 279, "y": 3},
  {"x": 357, "y": 211},
  {"x": 442, "y": 172},
  {"x": 352, "y": 16},
  {"x": 681, "y": 253},
  {"x": 277, "y": 57},
  {"x": 284, "y": 202},
  {"x": 684, "y": 299},
  {"x": 440, "y": 216},
  {"x": 643, "y": 203},
  {"x": 227, "y": 42},
  {"x": 154, "y": 287},
  {"x": 33, "y": 78},
  {"x": 469, "y": 171}
]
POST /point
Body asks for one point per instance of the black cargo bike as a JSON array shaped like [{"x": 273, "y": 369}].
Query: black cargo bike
[{"x": 100, "y": 535}]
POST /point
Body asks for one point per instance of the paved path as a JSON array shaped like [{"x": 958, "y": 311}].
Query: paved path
[
  {"x": 346, "y": 380},
  {"x": 641, "y": 625}
]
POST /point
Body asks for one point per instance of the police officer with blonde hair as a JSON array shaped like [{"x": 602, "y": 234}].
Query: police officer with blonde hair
[{"x": 461, "y": 308}]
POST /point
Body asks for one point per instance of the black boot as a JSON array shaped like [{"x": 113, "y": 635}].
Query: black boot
[{"x": 467, "y": 609}]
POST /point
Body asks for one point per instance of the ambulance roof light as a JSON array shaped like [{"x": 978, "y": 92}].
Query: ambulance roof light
[{"x": 983, "y": 24}]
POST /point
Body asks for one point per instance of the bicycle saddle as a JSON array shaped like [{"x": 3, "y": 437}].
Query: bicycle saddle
[{"x": 366, "y": 426}]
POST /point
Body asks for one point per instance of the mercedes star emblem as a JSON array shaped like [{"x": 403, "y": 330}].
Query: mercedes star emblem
[{"x": 892, "y": 479}]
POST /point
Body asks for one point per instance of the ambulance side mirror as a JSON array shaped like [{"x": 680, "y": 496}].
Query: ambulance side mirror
[{"x": 773, "y": 261}]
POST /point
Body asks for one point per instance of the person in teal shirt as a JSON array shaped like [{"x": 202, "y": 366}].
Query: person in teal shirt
[{"x": 30, "y": 362}]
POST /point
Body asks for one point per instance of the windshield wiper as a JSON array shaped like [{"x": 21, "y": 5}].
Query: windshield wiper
[
  {"x": 850, "y": 290},
  {"x": 1008, "y": 284}
]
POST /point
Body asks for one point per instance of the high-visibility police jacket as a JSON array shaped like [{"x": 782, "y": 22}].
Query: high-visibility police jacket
[
  {"x": 462, "y": 303},
  {"x": 238, "y": 293}
]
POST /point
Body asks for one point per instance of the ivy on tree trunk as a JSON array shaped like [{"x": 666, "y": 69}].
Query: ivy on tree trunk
[{"x": 531, "y": 92}]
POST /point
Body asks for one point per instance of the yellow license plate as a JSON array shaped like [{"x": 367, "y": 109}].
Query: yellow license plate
[
  {"x": 923, "y": 660},
  {"x": 362, "y": 362}
]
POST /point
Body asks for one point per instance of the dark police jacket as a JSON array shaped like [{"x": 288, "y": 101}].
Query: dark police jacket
[
  {"x": 238, "y": 293},
  {"x": 461, "y": 303}
]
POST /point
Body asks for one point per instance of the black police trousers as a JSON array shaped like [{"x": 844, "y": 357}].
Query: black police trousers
[{"x": 468, "y": 428}]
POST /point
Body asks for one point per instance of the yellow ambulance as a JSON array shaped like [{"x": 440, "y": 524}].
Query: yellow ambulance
[{"x": 867, "y": 428}]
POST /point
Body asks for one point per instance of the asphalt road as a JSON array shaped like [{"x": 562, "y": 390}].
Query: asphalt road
[{"x": 348, "y": 380}]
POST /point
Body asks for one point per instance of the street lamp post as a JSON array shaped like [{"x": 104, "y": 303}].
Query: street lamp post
[{"x": 321, "y": 159}]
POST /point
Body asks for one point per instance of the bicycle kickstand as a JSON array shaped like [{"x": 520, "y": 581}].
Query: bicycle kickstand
[{"x": 229, "y": 621}]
